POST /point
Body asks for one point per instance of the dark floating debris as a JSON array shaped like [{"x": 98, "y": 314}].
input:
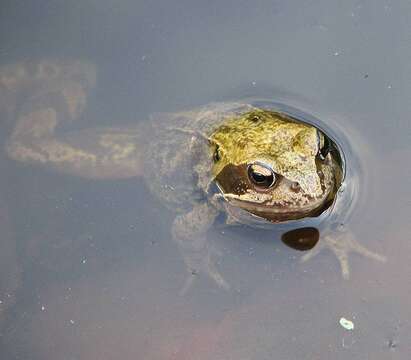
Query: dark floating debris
[{"x": 301, "y": 239}]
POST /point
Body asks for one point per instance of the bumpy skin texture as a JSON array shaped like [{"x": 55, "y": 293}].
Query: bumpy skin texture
[
  {"x": 304, "y": 179},
  {"x": 182, "y": 156},
  {"x": 290, "y": 148}
]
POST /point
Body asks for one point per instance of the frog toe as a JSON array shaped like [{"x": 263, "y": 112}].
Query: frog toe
[
  {"x": 211, "y": 272},
  {"x": 342, "y": 246},
  {"x": 215, "y": 275},
  {"x": 208, "y": 268},
  {"x": 312, "y": 253}
]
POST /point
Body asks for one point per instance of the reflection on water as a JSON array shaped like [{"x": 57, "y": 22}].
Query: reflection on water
[{"x": 88, "y": 270}]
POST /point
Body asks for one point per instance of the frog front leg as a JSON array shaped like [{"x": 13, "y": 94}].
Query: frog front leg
[
  {"x": 342, "y": 244},
  {"x": 56, "y": 93},
  {"x": 189, "y": 231}
]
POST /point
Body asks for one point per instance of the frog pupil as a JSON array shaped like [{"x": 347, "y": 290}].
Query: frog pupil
[{"x": 259, "y": 178}]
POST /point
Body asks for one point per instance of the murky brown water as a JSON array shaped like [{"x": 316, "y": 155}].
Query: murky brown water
[{"x": 88, "y": 268}]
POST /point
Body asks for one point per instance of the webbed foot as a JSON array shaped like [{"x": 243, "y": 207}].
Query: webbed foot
[
  {"x": 204, "y": 266},
  {"x": 341, "y": 245}
]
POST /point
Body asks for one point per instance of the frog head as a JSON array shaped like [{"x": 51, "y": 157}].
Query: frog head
[{"x": 274, "y": 166}]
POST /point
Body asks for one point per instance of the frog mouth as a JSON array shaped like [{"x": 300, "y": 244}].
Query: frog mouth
[{"x": 280, "y": 211}]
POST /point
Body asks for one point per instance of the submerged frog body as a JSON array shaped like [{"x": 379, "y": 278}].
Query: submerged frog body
[{"x": 253, "y": 164}]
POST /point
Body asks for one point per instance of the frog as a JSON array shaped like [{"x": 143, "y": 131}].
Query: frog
[{"x": 249, "y": 164}]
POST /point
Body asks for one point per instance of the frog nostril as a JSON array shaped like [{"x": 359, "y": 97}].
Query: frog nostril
[{"x": 295, "y": 186}]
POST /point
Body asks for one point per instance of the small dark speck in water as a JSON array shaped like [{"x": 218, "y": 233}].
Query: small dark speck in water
[{"x": 392, "y": 344}]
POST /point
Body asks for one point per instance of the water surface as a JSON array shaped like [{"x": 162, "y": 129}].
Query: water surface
[{"x": 99, "y": 276}]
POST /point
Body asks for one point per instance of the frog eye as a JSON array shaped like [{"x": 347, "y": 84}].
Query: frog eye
[
  {"x": 324, "y": 146},
  {"x": 261, "y": 175},
  {"x": 217, "y": 155},
  {"x": 255, "y": 118}
]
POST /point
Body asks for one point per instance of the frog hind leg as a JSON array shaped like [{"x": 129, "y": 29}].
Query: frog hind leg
[
  {"x": 342, "y": 245},
  {"x": 53, "y": 93},
  {"x": 189, "y": 232}
]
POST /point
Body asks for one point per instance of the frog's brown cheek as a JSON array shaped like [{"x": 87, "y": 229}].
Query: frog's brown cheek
[{"x": 234, "y": 180}]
